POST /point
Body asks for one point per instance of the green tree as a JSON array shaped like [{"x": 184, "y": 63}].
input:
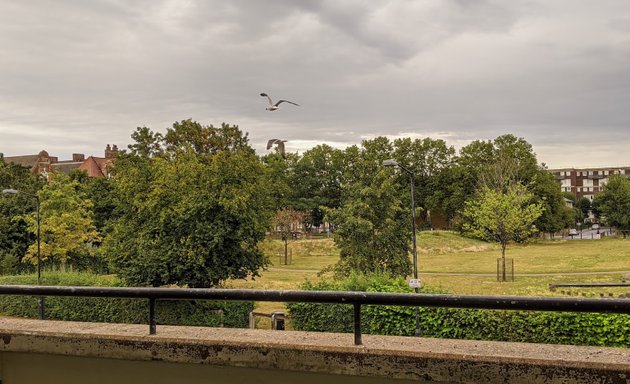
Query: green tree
[
  {"x": 285, "y": 222},
  {"x": 66, "y": 225},
  {"x": 278, "y": 172},
  {"x": 502, "y": 216},
  {"x": 494, "y": 164},
  {"x": 372, "y": 230},
  {"x": 14, "y": 235},
  {"x": 430, "y": 161},
  {"x": 316, "y": 182},
  {"x": 555, "y": 215},
  {"x": 194, "y": 204},
  {"x": 100, "y": 191},
  {"x": 372, "y": 227},
  {"x": 584, "y": 205},
  {"x": 614, "y": 203}
]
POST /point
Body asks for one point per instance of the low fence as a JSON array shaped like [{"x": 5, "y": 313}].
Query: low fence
[{"x": 356, "y": 299}]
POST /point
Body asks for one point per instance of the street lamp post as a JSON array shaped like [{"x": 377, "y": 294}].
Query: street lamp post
[
  {"x": 416, "y": 283},
  {"x": 39, "y": 255}
]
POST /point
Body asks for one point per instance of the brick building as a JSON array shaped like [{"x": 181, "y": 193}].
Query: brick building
[
  {"x": 44, "y": 164},
  {"x": 586, "y": 182}
]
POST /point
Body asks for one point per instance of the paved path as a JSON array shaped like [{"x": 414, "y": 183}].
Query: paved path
[{"x": 473, "y": 274}]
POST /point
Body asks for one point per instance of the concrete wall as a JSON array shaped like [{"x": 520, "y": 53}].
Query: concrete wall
[
  {"x": 29, "y": 368},
  {"x": 67, "y": 352}
]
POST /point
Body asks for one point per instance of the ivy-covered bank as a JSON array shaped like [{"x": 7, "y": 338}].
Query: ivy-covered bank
[
  {"x": 523, "y": 326},
  {"x": 114, "y": 310}
]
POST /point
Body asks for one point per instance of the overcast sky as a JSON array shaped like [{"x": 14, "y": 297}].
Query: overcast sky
[{"x": 76, "y": 75}]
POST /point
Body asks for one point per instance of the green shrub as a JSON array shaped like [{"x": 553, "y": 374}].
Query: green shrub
[
  {"x": 115, "y": 310},
  {"x": 475, "y": 324}
]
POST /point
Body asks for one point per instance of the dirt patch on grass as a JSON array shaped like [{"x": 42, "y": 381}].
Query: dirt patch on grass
[{"x": 444, "y": 250}]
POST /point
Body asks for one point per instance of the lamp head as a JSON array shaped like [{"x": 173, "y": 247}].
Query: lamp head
[{"x": 390, "y": 163}]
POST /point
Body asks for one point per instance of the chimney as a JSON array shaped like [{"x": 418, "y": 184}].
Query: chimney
[
  {"x": 78, "y": 157},
  {"x": 111, "y": 152}
]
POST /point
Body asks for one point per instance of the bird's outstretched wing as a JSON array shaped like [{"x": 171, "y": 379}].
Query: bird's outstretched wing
[
  {"x": 268, "y": 98},
  {"x": 280, "y": 144},
  {"x": 284, "y": 101}
]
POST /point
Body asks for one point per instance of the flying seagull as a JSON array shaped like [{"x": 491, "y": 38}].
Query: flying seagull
[
  {"x": 272, "y": 106},
  {"x": 280, "y": 144}
]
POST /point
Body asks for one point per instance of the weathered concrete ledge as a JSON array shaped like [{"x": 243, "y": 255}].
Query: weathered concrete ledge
[{"x": 407, "y": 358}]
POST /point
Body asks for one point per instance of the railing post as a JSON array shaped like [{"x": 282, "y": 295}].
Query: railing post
[
  {"x": 152, "y": 322},
  {"x": 357, "y": 324}
]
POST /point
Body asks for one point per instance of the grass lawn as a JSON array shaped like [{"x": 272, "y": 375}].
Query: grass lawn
[{"x": 447, "y": 252}]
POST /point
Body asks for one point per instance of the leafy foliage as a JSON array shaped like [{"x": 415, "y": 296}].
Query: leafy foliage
[
  {"x": 502, "y": 216},
  {"x": 372, "y": 230},
  {"x": 555, "y": 215},
  {"x": 114, "y": 310},
  {"x": 14, "y": 236},
  {"x": 520, "y": 326},
  {"x": 316, "y": 181},
  {"x": 197, "y": 203},
  {"x": 67, "y": 229},
  {"x": 614, "y": 202}
]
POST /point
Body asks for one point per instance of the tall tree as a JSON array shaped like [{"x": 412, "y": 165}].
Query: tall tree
[
  {"x": 502, "y": 216},
  {"x": 555, "y": 215},
  {"x": 497, "y": 163},
  {"x": 100, "y": 191},
  {"x": 66, "y": 225},
  {"x": 429, "y": 160},
  {"x": 286, "y": 221},
  {"x": 372, "y": 227},
  {"x": 14, "y": 235},
  {"x": 194, "y": 205},
  {"x": 278, "y": 174},
  {"x": 316, "y": 182},
  {"x": 614, "y": 203}
]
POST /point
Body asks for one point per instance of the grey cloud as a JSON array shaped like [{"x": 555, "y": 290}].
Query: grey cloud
[{"x": 476, "y": 69}]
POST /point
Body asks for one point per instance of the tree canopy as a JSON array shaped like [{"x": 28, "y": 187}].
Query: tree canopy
[
  {"x": 614, "y": 202},
  {"x": 502, "y": 216},
  {"x": 372, "y": 225},
  {"x": 194, "y": 204},
  {"x": 14, "y": 235},
  {"x": 66, "y": 224},
  {"x": 189, "y": 205}
]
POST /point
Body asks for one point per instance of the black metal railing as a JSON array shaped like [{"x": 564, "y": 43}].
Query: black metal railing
[{"x": 357, "y": 299}]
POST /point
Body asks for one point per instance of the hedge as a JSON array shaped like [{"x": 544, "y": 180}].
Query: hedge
[
  {"x": 476, "y": 324},
  {"x": 114, "y": 310}
]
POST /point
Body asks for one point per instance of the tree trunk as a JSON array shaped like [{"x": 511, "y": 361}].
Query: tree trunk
[{"x": 286, "y": 251}]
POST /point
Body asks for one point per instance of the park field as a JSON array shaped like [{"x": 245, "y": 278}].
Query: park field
[{"x": 442, "y": 255}]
